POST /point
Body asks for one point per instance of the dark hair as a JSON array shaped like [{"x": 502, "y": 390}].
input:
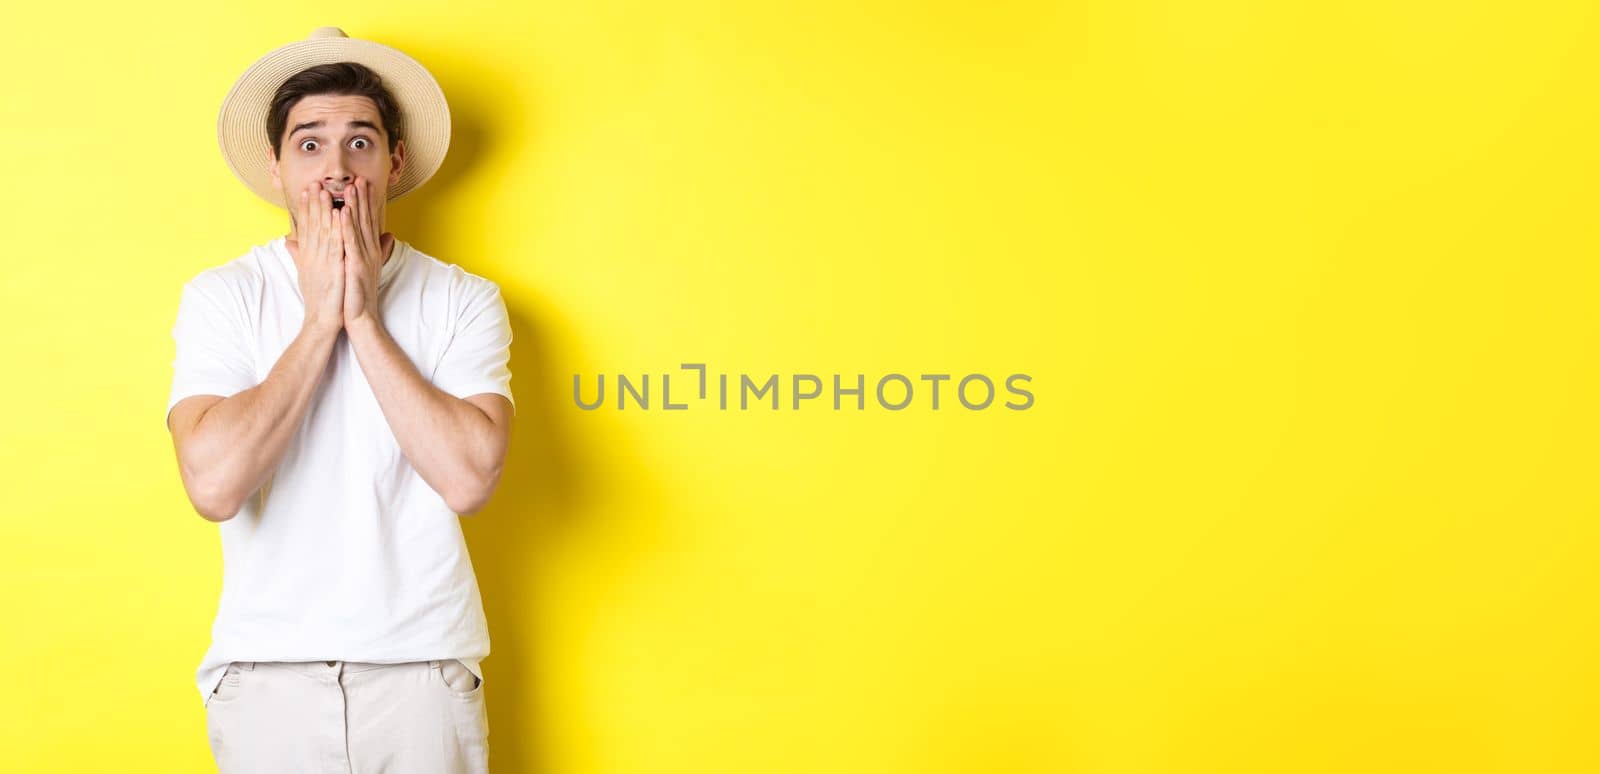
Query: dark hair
[{"x": 343, "y": 78}]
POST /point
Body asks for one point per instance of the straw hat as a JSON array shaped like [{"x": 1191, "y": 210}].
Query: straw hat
[{"x": 242, "y": 122}]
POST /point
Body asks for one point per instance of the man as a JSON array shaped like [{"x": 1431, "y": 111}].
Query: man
[{"x": 338, "y": 399}]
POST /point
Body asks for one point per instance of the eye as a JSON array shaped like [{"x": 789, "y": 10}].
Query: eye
[
  {"x": 304, "y": 143},
  {"x": 361, "y": 140}
]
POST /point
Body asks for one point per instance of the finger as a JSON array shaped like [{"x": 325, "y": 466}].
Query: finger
[
  {"x": 338, "y": 283},
  {"x": 358, "y": 219},
  {"x": 311, "y": 218},
  {"x": 370, "y": 205},
  {"x": 331, "y": 223},
  {"x": 353, "y": 266},
  {"x": 334, "y": 245},
  {"x": 347, "y": 231},
  {"x": 305, "y": 216},
  {"x": 297, "y": 217},
  {"x": 380, "y": 209},
  {"x": 370, "y": 208},
  {"x": 356, "y": 202},
  {"x": 324, "y": 215}
]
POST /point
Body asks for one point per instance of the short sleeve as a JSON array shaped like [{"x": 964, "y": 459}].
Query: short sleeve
[
  {"x": 213, "y": 353},
  {"x": 478, "y": 357}
]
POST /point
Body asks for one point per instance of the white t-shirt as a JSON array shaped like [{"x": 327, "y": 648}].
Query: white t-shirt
[{"x": 345, "y": 553}]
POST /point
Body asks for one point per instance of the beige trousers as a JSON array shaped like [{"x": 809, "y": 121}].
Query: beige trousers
[{"x": 349, "y": 717}]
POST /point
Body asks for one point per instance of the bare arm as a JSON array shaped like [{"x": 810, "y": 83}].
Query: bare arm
[
  {"x": 227, "y": 447},
  {"x": 457, "y": 445}
]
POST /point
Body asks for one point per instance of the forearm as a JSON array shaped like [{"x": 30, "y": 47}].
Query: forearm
[
  {"x": 240, "y": 440},
  {"x": 449, "y": 441}
]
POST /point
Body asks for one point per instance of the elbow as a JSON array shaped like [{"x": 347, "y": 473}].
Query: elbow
[
  {"x": 466, "y": 505},
  {"x": 216, "y": 510},
  {"x": 213, "y": 489},
  {"x": 469, "y": 504},
  {"x": 212, "y": 502},
  {"x": 468, "y": 500}
]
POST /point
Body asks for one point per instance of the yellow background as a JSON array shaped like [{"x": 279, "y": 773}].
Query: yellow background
[{"x": 1307, "y": 293}]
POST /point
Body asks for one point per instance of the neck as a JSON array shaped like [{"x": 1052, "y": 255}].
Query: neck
[{"x": 386, "y": 239}]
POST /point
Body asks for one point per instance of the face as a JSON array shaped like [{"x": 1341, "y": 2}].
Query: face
[{"x": 331, "y": 139}]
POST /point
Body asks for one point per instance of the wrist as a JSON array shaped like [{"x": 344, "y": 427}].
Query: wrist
[
  {"x": 366, "y": 325},
  {"x": 321, "y": 328}
]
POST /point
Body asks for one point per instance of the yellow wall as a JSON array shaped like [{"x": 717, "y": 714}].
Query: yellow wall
[{"x": 1307, "y": 295}]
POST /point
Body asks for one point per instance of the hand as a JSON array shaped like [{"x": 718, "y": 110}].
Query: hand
[
  {"x": 365, "y": 249},
  {"x": 319, "y": 259}
]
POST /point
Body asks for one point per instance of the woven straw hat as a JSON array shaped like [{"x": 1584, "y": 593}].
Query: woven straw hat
[{"x": 242, "y": 122}]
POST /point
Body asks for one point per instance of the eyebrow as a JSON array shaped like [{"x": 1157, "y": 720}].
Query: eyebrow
[{"x": 357, "y": 124}]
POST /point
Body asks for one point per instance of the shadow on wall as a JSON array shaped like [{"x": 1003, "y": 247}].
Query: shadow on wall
[{"x": 543, "y": 496}]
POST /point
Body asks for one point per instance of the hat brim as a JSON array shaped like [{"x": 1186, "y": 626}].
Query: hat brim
[{"x": 242, "y": 121}]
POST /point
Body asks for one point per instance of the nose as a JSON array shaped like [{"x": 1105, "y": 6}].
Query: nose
[{"x": 338, "y": 174}]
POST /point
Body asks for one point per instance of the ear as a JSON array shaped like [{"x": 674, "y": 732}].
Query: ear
[
  {"x": 273, "y": 167},
  {"x": 397, "y": 162}
]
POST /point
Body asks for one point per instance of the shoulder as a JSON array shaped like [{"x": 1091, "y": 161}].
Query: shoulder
[
  {"x": 235, "y": 282},
  {"x": 465, "y": 288},
  {"x": 223, "y": 299}
]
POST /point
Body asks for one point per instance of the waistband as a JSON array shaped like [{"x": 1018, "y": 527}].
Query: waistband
[{"x": 333, "y": 667}]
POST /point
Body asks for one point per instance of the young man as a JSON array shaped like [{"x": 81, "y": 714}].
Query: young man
[{"x": 338, "y": 399}]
